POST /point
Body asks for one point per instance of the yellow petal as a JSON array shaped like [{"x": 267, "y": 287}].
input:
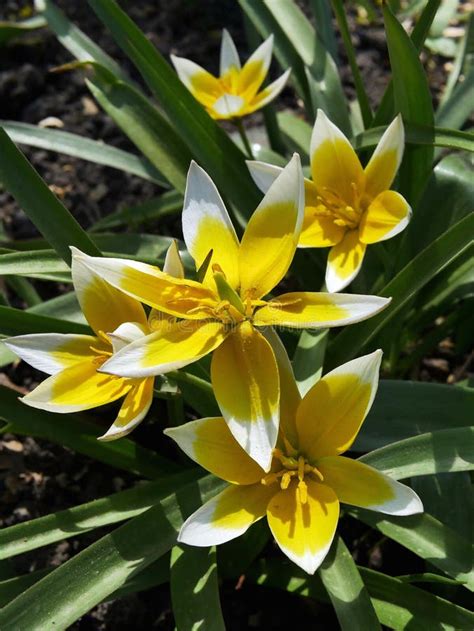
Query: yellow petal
[
  {"x": 335, "y": 167},
  {"x": 104, "y": 306},
  {"x": 304, "y": 310},
  {"x": 173, "y": 346},
  {"x": 133, "y": 410},
  {"x": 146, "y": 283},
  {"x": 79, "y": 387},
  {"x": 360, "y": 485},
  {"x": 229, "y": 57},
  {"x": 319, "y": 232},
  {"x": 52, "y": 352},
  {"x": 209, "y": 442},
  {"x": 227, "y": 515},
  {"x": 207, "y": 226},
  {"x": 244, "y": 376},
  {"x": 386, "y": 216},
  {"x": 333, "y": 410},
  {"x": 255, "y": 70},
  {"x": 202, "y": 84},
  {"x": 344, "y": 261},
  {"x": 383, "y": 165},
  {"x": 269, "y": 93},
  {"x": 272, "y": 234},
  {"x": 304, "y": 532}
]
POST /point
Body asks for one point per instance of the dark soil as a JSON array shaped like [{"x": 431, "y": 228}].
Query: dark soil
[{"x": 38, "y": 478}]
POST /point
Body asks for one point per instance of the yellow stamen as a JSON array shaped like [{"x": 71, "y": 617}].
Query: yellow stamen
[
  {"x": 286, "y": 479},
  {"x": 303, "y": 491}
]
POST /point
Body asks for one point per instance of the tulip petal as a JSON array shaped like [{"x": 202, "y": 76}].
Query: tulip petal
[
  {"x": 263, "y": 173},
  {"x": 304, "y": 532},
  {"x": 173, "y": 265},
  {"x": 268, "y": 93},
  {"x": 387, "y": 215},
  {"x": 255, "y": 70},
  {"x": 244, "y": 376},
  {"x": 383, "y": 165},
  {"x": 306, "y": 310},
  {"x": 228, "y": 106},
  {"x": 335, "y": 167},
  {"x": 333, "y": 410},
  {"x": 52, "y": 352},
  {"x": 319, "y": 232},
  {"x": 209, "y": 442},
  {"x": 272, "y": 233},
  {"x": 207, "y": 226},
  {"x": 229, "y": 57},
  {"x": 146, "y": 283},
  {"x": 133, "y": 410},
  {"x": 174, "y": 345},
  {"x": 79, "y": 387},
  {"x": 104, "y": 306},
  {"x": 202, "y": 84},
  {"x": 344, "y": 261},
  {"x": 125, "y": 334},
  {"x": 226, "y": 516},
  {"x": 360, "y": 485}
]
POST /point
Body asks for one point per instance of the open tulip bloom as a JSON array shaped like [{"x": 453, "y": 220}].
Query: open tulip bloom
[
  {"x": 347, "y": 207},
  {"x": 235, "y": 92},
  {"x": 73, "y": 360},
  {"x": 309, "y": 477},
  {"x": 224, "y": 311}
]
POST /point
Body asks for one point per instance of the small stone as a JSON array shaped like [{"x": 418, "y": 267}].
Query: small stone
[{"x": 51, "y": 121}]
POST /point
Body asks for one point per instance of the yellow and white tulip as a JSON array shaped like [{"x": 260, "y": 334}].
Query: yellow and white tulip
[
  {"x": 235, "y": 92},
  {"x": 309, "y": 477},
  {"x": 347, "y": 207},
  {"x": 224, "y": 312}
]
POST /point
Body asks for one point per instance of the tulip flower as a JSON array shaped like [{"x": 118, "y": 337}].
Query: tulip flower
[
  {"x": 223, "y": 311},
  {"x": 347, "y": 207},
  {"x": 309, "y": 477},
  {"x": 73, "y": 360},
  {"x": 235, "y": 92}
]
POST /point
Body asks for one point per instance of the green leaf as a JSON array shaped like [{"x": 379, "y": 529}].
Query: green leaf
[
  {"x": 74, "y": 588},
  {"x": 18, "y": 322},
  {"x": 51, "y": 218},
  {"x": 413, "y": 100},
  {"x": 80, "y": 434},
  {"x": 462, "y": 65},
  {"x": 296, "y": 131},
  {"x": 64, "y": 307},
  {"x": 40, "y": 532},
  {"x": 309, "y": 358},
  {"x": 420, "y": 135},
  {"x": 13, "y": 587},
  {"x": 427, "y": 577},
  {"x": 194, "y": 589},
  {"x": 208, "y": 142},
  {"x": 80, "y": 147},
  {"x": 434, "y": 452},
  {"x": 428, "y": 538},
  {"x": 346, "y": 590},
  {"x": 403, "y": 288},
  {"x": 10, "y": 30},
  {"x": 404, "y": 408}
]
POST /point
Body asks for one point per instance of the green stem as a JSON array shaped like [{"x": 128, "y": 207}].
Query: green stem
[
  {"x": 186, "y": 377},
  {"x": 243, "y": 135},
  {"x": 359, "y": 85}
]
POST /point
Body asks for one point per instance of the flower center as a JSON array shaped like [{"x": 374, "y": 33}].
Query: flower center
[
  {"x": 99, "y": 350},
  {"x": 344, "y": 214},
  {"x": 292, "y": 467}
]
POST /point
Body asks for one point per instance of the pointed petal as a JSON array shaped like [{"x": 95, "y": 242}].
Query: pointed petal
[
  {"x": 335, "y": 166},
  {"x": 173, "y": 265},
  {"x": 270, "y": 239},
  {"x": 383, "y": 165},
  {"x": 263, "y": 173},
  {"x": 290, "y": 397},
  {"x": 52, "y": 352},
  {"x": 148, "y": 284},
  {"x": 244, "y": 376},
  {"x": 344, "y": 261},
  {"x": 207, "y": 226},
  {"x": 208, "y": 442},
  {"x": 304, "y": 532},
  {"x": 360, "y": 485},
  {"x": 268, "y": 93},
  {"x": 319, "y": 232},
  {"x": 79, "y": 387},
  {"x": 307, "y": 310},
  {"x": 229, "y": 56},
  {"x": 202, "y": 84},
  {"x": 125, "y": 334},
  {"x": 226, "y": 516},
  {"x": 255, "y": 70},
  {"x": 134, "y": 409},
  {"x": 175, "y": 345},
  {"x": 228, "y": 106},
  {"x": 333, "y": 410},
  {"x": 104, "y": 306},
  {"x": 386, "y": 216}
]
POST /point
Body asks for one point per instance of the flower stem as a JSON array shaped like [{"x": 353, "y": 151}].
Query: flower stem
[{"x": 243, "y": 135}]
